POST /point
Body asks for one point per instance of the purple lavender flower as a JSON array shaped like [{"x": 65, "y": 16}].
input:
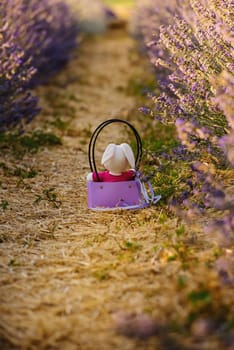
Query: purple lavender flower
[
  {"x": 145, "y": 110},
  {"x": 36, "y": 39}
]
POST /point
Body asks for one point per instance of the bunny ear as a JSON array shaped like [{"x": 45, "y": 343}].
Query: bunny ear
[
  {"x": 108, "y": 153},
  {"x": 128, "y": 154}
]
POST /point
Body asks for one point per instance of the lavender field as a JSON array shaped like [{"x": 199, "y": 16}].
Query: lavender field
[{"x": 156, "y": 278}]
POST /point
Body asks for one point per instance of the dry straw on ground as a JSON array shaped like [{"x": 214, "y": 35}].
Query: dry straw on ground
[{"x": 67, "y": 271}]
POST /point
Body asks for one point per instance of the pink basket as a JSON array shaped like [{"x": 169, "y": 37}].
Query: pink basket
[{"x": 117, "y": 195}]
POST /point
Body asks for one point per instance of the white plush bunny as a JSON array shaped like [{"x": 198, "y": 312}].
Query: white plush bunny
[{"x": 119, "y": 162}]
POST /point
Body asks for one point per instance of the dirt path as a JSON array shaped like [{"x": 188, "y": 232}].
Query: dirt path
[{"x": 67, "y": 271}]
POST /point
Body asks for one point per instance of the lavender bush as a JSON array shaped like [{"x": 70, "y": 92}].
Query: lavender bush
[
  {"x": 191, "y": 48},
  {"x": 46, "y": 31},
  {"x": 16, "y": 102},
  {"x": 37, "y": 39}
]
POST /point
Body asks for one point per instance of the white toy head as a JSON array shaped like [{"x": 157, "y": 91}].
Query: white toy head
[{"x": 118, "y": 158}]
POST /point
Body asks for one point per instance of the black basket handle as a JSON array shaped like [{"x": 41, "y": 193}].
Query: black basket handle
[{"x": 92, "y": 143}]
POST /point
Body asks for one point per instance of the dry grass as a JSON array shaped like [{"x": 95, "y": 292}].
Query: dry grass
[{"x": 65, "y": 270}]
